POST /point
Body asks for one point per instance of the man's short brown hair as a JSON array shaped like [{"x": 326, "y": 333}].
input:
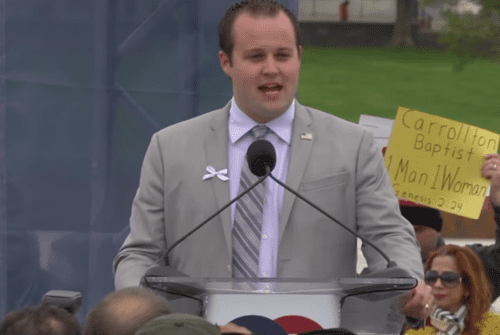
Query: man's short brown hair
[
  {"x": 40, "y": 320},
  {"x": 267, "y": 8}
]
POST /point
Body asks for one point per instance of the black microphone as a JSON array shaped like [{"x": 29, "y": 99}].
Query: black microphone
[{"x": 262, "y": 155}]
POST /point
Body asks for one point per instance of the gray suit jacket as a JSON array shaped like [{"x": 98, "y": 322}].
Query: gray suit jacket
[{"x": 340, "y": 170}]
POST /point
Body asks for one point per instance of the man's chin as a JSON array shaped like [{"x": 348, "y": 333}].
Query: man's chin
[
  {"x": 271, "y": 114},
  {"x": 276, "y": 108},
  {"x": 267, "y": 111}
]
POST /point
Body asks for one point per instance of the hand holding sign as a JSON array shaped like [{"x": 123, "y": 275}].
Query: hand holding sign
[
  {"x": 437, "y": 162},
  {"x": 491, "y": 171}
]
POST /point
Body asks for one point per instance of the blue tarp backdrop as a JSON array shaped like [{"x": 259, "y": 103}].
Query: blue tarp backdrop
[{"x": 83, "y": 86}]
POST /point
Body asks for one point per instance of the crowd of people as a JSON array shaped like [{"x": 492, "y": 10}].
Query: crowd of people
[
  {"x": 456, "y": 274},
  {"x": 129, "y": 311},
  {"x": 269, "y": 233}
]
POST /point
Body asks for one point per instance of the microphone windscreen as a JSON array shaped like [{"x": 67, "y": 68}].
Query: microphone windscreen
[{"x": 260, "y": 154}]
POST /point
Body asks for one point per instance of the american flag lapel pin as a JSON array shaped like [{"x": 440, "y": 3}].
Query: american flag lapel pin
[{"x": 306, "y": 136}]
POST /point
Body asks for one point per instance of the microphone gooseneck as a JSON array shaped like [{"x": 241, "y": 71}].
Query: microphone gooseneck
[
  {"x": 262, "y": 156},
  {"x": 390, "y": 263}
]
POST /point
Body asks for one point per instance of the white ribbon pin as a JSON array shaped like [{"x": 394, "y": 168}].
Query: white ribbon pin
[{"x": 212, "y": 173}]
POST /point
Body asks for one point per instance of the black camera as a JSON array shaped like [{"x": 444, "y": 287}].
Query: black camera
[{"x": 69, "y": 300}]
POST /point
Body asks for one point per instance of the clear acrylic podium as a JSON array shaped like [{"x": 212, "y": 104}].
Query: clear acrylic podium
[{"x": 362, "y": 305}]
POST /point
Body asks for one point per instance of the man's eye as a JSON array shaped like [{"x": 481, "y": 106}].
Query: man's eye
[
  {"x": 257, "y": 56},
  {"x": 283, "y": 55}
]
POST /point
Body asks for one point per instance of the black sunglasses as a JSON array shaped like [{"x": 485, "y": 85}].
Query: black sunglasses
[{"x": 449, "y": 279}]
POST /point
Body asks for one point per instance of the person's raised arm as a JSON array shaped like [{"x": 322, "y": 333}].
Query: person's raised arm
[
  {"x": 491, "y": 171},
  {"x": 490, "y": 254}
]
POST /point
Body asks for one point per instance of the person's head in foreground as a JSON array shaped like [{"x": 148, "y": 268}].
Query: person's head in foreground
[
  {"x": 124, "y": 311},
  {"x": 460, "y": 288},
  {"x": 40, "y": 320},
  {"x": 260, "y": 52},
  {"x": 178, "y": 324}
]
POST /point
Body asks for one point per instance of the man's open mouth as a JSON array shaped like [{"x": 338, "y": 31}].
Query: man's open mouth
[{"x": 270, "y": 88}]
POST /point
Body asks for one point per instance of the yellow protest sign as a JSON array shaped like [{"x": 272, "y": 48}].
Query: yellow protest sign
[{"x": 437, "y": 161}]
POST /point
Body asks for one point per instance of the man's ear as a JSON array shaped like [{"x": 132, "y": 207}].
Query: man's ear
[
  {"x": 225, "y": 63},
  {"x": 300, "y": 53}
]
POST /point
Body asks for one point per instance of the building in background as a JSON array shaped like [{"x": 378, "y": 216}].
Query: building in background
[{"x": 381, "y": 11}]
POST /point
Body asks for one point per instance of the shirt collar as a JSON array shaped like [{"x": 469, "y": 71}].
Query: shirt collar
[{"x": 240, "y": 123}]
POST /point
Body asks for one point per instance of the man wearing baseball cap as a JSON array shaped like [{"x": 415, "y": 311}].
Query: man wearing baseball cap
[
  {"x": 427, "y": 223},
  {"x": 178, "y": 324},
  {"x": 187, "y": 324}
]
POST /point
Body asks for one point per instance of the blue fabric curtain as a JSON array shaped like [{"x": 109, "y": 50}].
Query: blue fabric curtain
[{"x": 83, "y": 86}]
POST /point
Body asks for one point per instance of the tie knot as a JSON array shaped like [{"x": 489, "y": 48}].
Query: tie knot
[{"x": 259, "y": 131}]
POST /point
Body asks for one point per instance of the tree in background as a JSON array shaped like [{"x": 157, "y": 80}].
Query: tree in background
[
  {"x": 401, "y": 35},
  {"x": 471, "y": 36}
]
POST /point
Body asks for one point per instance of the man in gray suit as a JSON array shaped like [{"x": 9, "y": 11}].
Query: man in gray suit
[{"x": 193, "y": 168}]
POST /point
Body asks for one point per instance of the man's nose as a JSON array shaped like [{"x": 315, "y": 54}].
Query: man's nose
[{"x": 270, "y": 66}]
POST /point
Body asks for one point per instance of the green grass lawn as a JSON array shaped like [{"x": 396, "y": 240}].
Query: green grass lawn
[{"x": 349, "y": 82}]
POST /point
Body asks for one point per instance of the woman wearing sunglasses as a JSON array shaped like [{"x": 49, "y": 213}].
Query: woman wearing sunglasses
[{"x": 461, "y": 292}]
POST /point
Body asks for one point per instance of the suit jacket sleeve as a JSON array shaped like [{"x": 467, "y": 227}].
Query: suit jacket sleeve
[
  {"x": 378, "y": 215},
  {"x": 146, "y": 240}
]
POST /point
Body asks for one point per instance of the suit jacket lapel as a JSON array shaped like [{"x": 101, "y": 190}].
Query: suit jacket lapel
[
  {"x": 300, "y": 151},
  {"x": 216, "y": 153}
]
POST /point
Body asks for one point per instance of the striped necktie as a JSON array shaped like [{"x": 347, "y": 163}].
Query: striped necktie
[{"x": 247, "y": 225}]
